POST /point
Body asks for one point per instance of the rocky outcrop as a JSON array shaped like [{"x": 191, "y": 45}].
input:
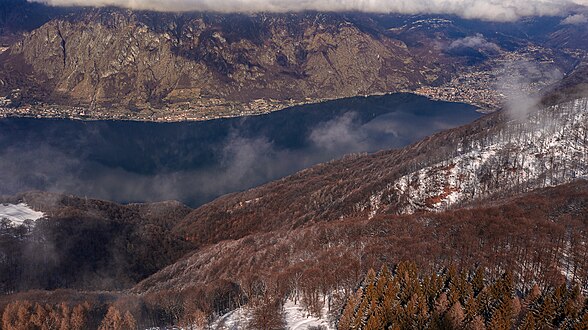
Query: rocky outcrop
[{"x": 112, "y": 56}]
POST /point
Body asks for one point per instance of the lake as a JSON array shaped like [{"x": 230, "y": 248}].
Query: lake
[{"x": 195, "y": 162}]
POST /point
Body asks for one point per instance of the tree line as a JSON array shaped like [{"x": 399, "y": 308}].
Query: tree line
[{"x": 405, "y": 299}]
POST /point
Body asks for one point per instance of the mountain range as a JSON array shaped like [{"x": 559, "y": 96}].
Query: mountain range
[
  {"x": 500, "y": 204},
  {"x": 146, "y": 65}
]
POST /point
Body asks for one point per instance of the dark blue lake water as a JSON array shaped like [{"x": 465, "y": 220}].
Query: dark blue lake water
[{"x": 195, "y": 162}]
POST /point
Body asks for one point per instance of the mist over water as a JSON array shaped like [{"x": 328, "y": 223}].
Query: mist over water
[{"x": 195, "y": 162}]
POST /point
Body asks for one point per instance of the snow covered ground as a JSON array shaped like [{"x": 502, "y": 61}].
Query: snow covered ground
[
  {"x": 296, "y": 319},
  {"x": 233, "y": 320},
  {"x": 547, "y": 149},
  {"x": 18, "y": 213}
]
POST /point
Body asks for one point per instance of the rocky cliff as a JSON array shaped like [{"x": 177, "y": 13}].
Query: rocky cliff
[
  {"x": 112, "y": 56},
  {"x": 112, "y": 63}
]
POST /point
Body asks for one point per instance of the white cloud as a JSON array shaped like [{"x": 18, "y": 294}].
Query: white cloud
[
  {"x": 575, "y": 19},
  {"x": 495, "y": 10},
  {"x": 476, "y": 42}
]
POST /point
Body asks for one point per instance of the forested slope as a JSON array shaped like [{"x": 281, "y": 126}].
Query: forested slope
[
  {"x": 498, "y": 155},
  {"x": 88, "y": 244}
]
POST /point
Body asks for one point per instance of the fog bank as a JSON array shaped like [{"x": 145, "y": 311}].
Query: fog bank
[{"x": 494, "y": 10}]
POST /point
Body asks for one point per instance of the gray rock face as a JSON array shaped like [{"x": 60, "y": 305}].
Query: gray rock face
[{"x": 149, "y": 59}]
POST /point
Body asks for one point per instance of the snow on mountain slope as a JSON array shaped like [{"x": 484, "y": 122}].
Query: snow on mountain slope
[
  {"x": 546, "y": 149},
  {"x": 495, "y": 156},
  {"x": 298, "y": 319},
  {"x": 295, "y": 316},
  {"x": 18, "y": 213}
]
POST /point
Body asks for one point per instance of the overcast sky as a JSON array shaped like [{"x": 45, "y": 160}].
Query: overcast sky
[{"x": 496, "y": 10}]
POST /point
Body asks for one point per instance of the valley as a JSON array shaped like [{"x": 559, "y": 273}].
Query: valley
[
  {"x": 500, "y": 194},
  {"x": 491, "y": 84},
  {"x": 196, "y": 162},
  {"x": 345, "y": 165}
]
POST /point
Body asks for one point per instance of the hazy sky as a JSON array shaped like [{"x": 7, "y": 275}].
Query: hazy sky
[{"x": 497, "y": 10}]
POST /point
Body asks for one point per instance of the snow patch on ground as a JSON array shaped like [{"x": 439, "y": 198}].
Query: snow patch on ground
[
  {"x": 18, "y": 213},
  {"x": 233, "y": 320},
  {"x": 296, "y": 318},
  {"x": 549, "y": 148}
]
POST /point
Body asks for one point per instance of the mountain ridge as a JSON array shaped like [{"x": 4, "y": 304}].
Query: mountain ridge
[
  {"x": 365, "y": 242},
  {"x": 111, "y": 63},
  {"x": 364, "y": 185},
  {"x": 141, "y": 58}
]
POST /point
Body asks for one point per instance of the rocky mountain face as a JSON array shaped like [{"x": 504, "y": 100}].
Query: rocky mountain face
[
  {"x": 133, "y": 58},
  {"x": 111, "y": 61}
]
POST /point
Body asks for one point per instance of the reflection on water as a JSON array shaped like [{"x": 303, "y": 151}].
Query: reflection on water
[{"x": 197, "y": 161}]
